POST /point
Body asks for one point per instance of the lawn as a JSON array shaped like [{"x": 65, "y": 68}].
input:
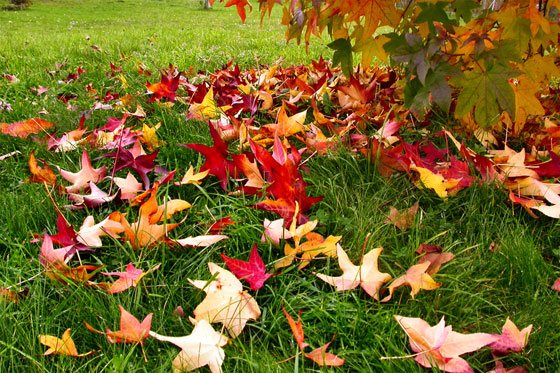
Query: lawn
[{"x": 504, "y": 265}]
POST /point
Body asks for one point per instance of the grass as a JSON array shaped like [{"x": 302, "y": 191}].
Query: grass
[{"x": 481, "y": 287}]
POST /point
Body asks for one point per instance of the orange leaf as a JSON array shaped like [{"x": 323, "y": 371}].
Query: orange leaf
[
  {"x": 323, "y": 358},
  {"x": 297, "y": 329},
  {"x": 25, "y": 128},
  {"x": 131, "y": 331},
  {"x": 38, "y": 174}
]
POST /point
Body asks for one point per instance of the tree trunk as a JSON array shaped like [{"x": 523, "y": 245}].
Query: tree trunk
[{"x": 207, "y": 4}]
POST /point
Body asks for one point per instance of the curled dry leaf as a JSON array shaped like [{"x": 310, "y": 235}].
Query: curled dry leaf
[
  {"x": 61, "y": 346},
  {"x": 40, "y": 174}
]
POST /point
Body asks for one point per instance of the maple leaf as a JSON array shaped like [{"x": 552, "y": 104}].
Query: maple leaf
[
  {"x": 49, "y": 257},
  {"x": 323, "y": 358},
  {"x": 250, "y": 170},
  {"x": 201, "y": 241},
  {"x": 286, "y": 126},
  {"x": 225, "y": 301},
  {"x": 146, "y": 230},
  {"x": 207, "y": 109},
  {"x": 366, "y": 275},
  {"x": 129, "y": 186},
  {"x": 96, "y": 198},
  {"x": 192, "y": 178},
  {"x": 25, "y": 128},
  {"x": 511, "y": 339},
  {"x": 216, "y": 156},
  {"x": 275, "y": 231},
  {"x": 61, "y": 346},
  {"x": 252, "y": 271},
  {"x": 319, "y": 355},
  {"x": 297, "y": 329},
  {"x": 135, "y": 159},
  {"x": 434, "y": 255},
  {"x": 129, "y": 278},
  {"x": 415, "y": 277},
  {"x": 427, "y": 179},
  {"x": 240, "y": 5},
  {"x": 220, "y": 225},
  {"x": 90, "y": 233},
  {"x": 40, "y": 174},
  {"x": 202, "y": 347},
  {"x": 80, "y": 180},
  {"x": 131, "y": 330},
  {"x": 166, "y": 88},
  {"x": 439, "y": 346},
  {"x": 487, "y": 91},
  {"x": 402, "y": 219},
  {"x": 314, "y": 245}
]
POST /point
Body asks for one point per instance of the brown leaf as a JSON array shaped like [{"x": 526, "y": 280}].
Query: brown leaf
[
  {"x": 403, "y": 219},
  {"x": 435, "y": 256}
]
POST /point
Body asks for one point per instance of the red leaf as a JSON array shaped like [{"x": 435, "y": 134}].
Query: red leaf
[
  {"x": 166, "y": 88},
  {"x": 131, "y": 331},
  {"x": 252, "y": 271},
  {"x": 216, "y": 158},
  {"x": 240, "y": 5},
  {"x": 219, "y": 226}
]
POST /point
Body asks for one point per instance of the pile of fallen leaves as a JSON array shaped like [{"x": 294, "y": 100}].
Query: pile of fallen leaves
[{"x": 265, "y": 124}]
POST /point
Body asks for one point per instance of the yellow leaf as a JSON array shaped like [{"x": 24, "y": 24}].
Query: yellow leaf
[
  {"x": 436, "y": 182},
  {"x": 64, "y": 346}
]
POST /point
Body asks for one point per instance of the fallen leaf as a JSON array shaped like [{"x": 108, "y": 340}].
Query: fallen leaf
[
  {"x": 61, "y": 346},
  {"x": 40, "y": 174},
  {"x": 193, "y": 178},
  {"x": 415, "y": 277},
  {"x": 323, "y": 358},
  {"x": 201, "y": 241},
  {"x": 25, "y": 128},
  {"x": 297, "y": 329},
  {"x": 80, "y": 180},
  {"x": 252, "y": 271},
  {"x": 202, "y": 347},
  {"x": 434, "y": 255},
  {"x": 427, "y": 179},
  {"x": 439, "y": 346},
  {"x": 131, "y": 331},
  {"x": 512, "y": 339},
  {"x": 225, "y": 301},
  {"x": 366, "y": 275},
  {"x": 402, "y": 219},
  {"x": 127, "y": 279}
]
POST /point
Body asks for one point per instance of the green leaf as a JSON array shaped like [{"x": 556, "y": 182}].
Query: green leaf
[
  {"x": 488, "y": 92},
  {"x": 464, "y": 8},
  {"x": 342, "y": 55}
]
